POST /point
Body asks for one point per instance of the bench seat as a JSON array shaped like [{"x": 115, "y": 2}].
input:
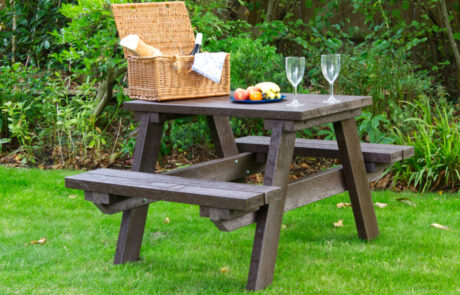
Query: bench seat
[
  {"x": 216, "y": 194},
  {"x": 372, "y": 152}
]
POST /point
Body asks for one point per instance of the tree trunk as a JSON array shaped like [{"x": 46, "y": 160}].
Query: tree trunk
[
  {"x": 105, "y": 89},
  {"x": 13, "y": 40},
  {"x": 450, "y": 35},
  {"x": 269, "y": 14}
]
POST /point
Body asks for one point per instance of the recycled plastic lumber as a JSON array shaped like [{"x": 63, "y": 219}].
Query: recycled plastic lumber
[
  {"x": 300, "y": 192},
  {"x": 216, "y": 194},
  {"x": 222, "y": 106},
  {"x": 223, "y": 169},
  {"x": 372, "y": 152}
]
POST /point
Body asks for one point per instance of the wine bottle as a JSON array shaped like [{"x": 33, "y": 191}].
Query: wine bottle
[{"x": 197, "y": 46}]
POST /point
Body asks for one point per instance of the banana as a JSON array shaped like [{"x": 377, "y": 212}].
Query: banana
[{"x": 269, "y": 90}]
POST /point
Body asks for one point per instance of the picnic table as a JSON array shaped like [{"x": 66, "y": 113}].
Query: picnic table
[{"x": 231, "y": 205}]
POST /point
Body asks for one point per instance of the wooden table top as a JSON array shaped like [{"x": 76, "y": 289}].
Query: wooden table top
[{"x": 222, "y": 106}]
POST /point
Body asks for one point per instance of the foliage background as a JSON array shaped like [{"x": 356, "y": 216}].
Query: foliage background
[{"x": 62, "y": 75}]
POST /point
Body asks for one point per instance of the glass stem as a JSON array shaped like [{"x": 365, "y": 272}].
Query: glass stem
[
  {"x": 332, "y": 89},
  {"x": 295, "y": 92}
]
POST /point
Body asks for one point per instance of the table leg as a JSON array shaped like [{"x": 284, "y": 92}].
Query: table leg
[
  {"x": 222, "y": 136},
  {"x": 351, "y": 158},
  {"x": 132, "y": 226},
  {"x": 269, "y": 217}
]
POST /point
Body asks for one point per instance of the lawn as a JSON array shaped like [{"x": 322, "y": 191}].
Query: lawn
[{"x": 187, "y": 255}]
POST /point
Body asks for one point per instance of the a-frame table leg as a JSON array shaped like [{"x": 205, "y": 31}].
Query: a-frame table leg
[
  {"x": 132, "y": 226},
  {"x": 269, "y": 217},
  {"x": 222, "y": 136},
  {"x": 351, "y": 158}
]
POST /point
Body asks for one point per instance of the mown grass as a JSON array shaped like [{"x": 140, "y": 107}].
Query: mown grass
[{"x": 186, "y": 255}]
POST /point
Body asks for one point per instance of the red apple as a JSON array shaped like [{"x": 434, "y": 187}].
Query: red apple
[
  {"x": 253, "y": 88},
  {"x": 241, "y": 94}
]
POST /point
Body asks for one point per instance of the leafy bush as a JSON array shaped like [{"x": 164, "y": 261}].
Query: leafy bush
[
  {"x": 49, "y": 117},
  {"x": 252, "y": 62},
  {"x": 46, "y": 122},
  {"x": 30, "y": 39},
  {"x": 90, "y": 40}
]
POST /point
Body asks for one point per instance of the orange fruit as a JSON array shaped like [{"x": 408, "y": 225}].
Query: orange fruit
[{"x": 255, "y": 95}]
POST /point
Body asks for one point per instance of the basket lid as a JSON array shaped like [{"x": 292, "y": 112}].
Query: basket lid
[{"x": 164, "y": 25}]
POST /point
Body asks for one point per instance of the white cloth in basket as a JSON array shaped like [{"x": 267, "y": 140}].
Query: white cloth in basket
[{"x": 210, "y": 65}]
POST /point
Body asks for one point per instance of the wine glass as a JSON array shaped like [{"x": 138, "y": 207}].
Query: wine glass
[
  {"x": 295, "y": 68},
  {"x": 330, "y": 65}
]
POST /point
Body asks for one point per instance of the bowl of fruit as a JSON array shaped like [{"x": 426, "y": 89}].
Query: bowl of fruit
[{"x": 260, "y": 93}]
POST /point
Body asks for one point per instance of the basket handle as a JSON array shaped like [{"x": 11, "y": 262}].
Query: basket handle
[{"x": 179, "y": 64}]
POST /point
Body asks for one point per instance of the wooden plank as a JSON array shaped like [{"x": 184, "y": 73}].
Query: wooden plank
[
  {"x": 162, "y": 180},
  {"x": 175, "y": 189},
  {"x": 311, "y": 188},
  {"x": 133, "y": 220},
  {"x": 222, "y": 136},
  {"x": 158, "y": 117},
  {"x": 300, "y": 125},
  {"x": 355, "y": 176},
  {"x": 205, "y": 211},
  {"x": 102, "y": 199},
  {"x": 376, "y": 153},
  {"x": 124, "y": 205},
  {"x": 130, "y": 235},
  {"x": 224, "y": 169},
  {"x": 222, "y": 106},
  {"x": 233, "y": 224},
  {"x": 269, "y": 217},
  {"x": 226, "y": 214},
  {"x": 305, "y": 191},
  {"x": 147, "y": 145}
]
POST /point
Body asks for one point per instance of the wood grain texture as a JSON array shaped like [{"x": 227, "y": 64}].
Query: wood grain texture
[
  {"x": 312, "y": 188},
  {"x": 269, "y": 217},
  {"x": 102, "y": 199},
  {"x": 147, "y": 145},
  {"x": 354, "y": 172},
  {"x": 236, "y": 223},
  {"x": 133, "y": 220},
  {"x": 206, "y": 193},
  {"x": 305, "y": 191},
  {"x": 226, "y": 214},
  {"x": 222, "y": 106},
  {"x": 130, "y": 235},
  {"x": 300, "y": 125},
  {"x": 372, "y": 152},
  {"x": 123, "y": 205},
  {"x": 222, "y": 136},
  {"x": 224, "y": 169},
  {"x": 158, "y": 117}
]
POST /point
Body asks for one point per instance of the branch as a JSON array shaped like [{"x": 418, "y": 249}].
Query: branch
[
  {"x": 269, "y": 15},
  {"x": 430, "y": 14},
  {"x": 104, "y": 91},
  {"x": 453, "y": 44},
  {"x": 13, "y": 39}
]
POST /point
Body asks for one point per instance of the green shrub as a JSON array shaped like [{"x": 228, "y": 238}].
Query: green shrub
[
  {"x": 34, "y": 20},
  {"x": 46, "y": 122},
  {"x": 90, "y": 40},
  {"x": 435, "y": 135}
]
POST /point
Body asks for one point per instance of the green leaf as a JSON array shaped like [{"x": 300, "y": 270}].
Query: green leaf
[
  {"x": 457, "y": 36},
  {"x": 46, "y": 44},
  {"x": 405, "y": 5}
]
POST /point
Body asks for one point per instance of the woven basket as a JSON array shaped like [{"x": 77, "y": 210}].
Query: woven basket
[{"x": 166, "y": 26}]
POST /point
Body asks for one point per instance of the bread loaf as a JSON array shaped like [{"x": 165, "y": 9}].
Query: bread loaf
[{"x": 136, "y": 45}]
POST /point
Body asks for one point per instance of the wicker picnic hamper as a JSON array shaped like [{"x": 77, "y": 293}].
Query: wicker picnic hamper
[{"x": 166, "y": 26}]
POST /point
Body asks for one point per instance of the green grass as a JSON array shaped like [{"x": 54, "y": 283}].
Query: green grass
[{"x": 186, "y": 255}]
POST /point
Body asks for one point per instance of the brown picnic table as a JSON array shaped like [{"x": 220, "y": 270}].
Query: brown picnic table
[{"x": 232, "y": 205}]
